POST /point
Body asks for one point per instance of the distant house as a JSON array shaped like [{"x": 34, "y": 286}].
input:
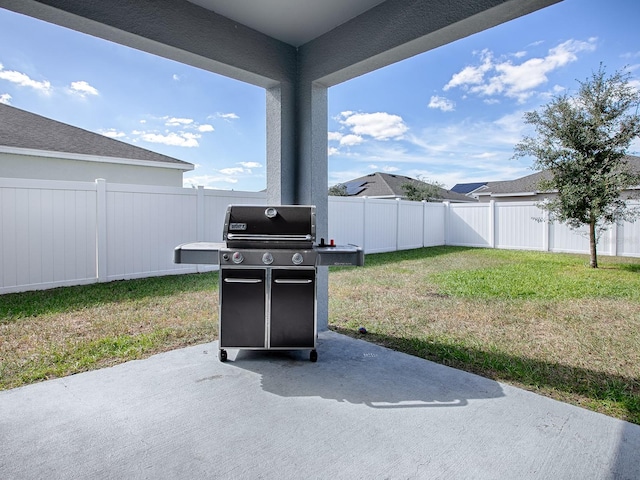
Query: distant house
[
  {"x": 386, "y": 185},
  {"x": 526, "y": 188},
  {"x": 35, "y": 147},
  {"x": 468, "y": 189}
]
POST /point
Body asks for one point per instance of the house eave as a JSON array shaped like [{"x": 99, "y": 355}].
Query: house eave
[{"x": 94, "y": 158}]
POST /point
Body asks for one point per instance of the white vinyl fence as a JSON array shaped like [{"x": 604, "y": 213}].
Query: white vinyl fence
[{"x": 69, "y": 233}]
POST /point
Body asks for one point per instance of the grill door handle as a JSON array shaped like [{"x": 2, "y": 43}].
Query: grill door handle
[
  {"x": 243, "y": 280},
  {"x": 297, "y": 281}
]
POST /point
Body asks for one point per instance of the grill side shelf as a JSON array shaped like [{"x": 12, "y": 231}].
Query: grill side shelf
[
  {"x": 340, "y": 255},
  {"x": 203, "y": 253}
]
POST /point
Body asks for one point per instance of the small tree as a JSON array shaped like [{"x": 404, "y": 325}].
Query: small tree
[
  {"x": 339, "y": 190},
  {"x": 581, "y": 141},
  {"x": 422, "y": 190}
]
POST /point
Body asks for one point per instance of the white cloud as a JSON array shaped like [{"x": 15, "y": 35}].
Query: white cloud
[
  {"x": 172, "y": 139},
  {"x": 205, "y": 128},
  {"x": 176, "y": 122},
  {"x": 112, "y": 133},
  {"x": 250, "y": 164},
  {"x": 472, "y": 75},
  {"x": 350, "y": 140},
  {"x": 442, "y": 103},
  {"x": 334, "y": 136},
  {"x": 333, "y": 151},
  {"x": 390, "y": 169},
  {"x": 379, "y": 125},
  {"x": 23, "y": 80},
  {"x": 82, "y": 89},
  {"x": 493, "y": 77},
  {"x": 227, "y": 116},
  {"x": 176, "y": 77},
  {"x": 232, "y": 170},
  {"x": 5, "y": 98}
]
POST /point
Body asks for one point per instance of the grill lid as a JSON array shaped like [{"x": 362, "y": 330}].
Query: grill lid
[{"x": 279, "y": 226}]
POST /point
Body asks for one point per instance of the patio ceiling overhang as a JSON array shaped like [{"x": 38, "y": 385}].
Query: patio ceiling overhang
[{"x": 258, "y": 41}]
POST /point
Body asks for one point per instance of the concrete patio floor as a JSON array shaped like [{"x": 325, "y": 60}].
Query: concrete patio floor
[{"x": 360, "y": 412}]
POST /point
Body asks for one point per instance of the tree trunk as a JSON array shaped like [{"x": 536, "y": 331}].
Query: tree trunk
[{"x": 593, "y": 262}]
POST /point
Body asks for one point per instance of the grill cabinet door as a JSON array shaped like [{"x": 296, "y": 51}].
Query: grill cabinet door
[
  {"x": 293, "y": 308},
  {"x": 242, "y": 308}
]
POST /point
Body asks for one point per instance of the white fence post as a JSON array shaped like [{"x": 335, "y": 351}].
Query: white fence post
[
  {"x": 101, "y": 230},
  {"x": 447, "y": 207},
  {"x": 492, "y": 224},
  {"x": 365, "y": 204},
  {"x": 397, "y": 224},
  {"x": 424, "y": 220},
  {"x": 546, "y": 231},
  {"x": 613, "y": 240},
  {"x": 200, "y": 214}
]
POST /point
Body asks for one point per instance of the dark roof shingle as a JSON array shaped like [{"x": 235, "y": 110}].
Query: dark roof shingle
[
  {"x": 380, "y": 184},
  {"x": 529, "y": 183},
  {"x": 22, "y": 129}
]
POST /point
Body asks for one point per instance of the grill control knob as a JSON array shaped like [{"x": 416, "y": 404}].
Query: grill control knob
[
  {"x": 267, "y": 258},
  {"x": 297, "y": 258},
  {"x": 237, "y": 258}
]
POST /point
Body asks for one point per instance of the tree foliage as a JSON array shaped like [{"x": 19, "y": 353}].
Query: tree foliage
[
  {"x": 339, "y": 190},
  {"x": 582, "y": 141},
  {"x": 422, "y": 190}
]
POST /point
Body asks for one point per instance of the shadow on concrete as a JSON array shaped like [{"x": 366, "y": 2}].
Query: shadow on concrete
[
  {"x": 489, "y": 364},
  {"x": 359, "y": 372}
]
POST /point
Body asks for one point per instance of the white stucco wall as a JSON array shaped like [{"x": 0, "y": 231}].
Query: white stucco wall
[{"x": 51, "y": 168}]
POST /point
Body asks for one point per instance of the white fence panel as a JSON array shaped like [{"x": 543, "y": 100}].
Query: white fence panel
[
  {"x": 469, "y": 225},
  {"x": 564, "y": 239},
  {"x": 628, "y": 237},
  {"x": 47, "y": 234},
  {"x": 144, "y": 224},
  {"x": 520, "y": 225},
  {"x": 381, "y": 220},
  {"x": 346, "y": 221},
  {"x": 410, "y": 225},
  {"x": 433, "y": 224},
  {"x": 69, "y": 233}
]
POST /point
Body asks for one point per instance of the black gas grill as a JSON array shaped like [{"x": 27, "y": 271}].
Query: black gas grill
[{"x": 268, "y": 269}]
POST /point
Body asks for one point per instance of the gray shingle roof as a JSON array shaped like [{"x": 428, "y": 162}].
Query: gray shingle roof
[
  {"x": 380, "y": 184},
  {"x": 529, "y": 183},
  {"x": 22, "y": 129}
]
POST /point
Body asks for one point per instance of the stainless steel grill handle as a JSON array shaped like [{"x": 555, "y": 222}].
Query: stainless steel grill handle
[
  {"x": 266, "y": 238},
  {"x": 243, "y": 280},
  {"x": 298, "y": 281}
]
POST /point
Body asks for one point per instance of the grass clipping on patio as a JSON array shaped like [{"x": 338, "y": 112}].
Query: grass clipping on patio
[{"x": 540, "y": 321}]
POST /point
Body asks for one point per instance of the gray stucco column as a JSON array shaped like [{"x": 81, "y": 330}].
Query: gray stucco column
[{"x": 297, "y": 159}]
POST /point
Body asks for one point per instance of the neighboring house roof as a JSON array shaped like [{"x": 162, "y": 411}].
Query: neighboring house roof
[
  {"x": 20, "y": 129},
  {"x": 466, "y": 188},
  {"x": 386, "y": 185},
  {"x": 528, "y": 185}
]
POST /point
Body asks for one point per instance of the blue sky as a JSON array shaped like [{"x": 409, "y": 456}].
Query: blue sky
[{"x": 450, "y": 115}]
